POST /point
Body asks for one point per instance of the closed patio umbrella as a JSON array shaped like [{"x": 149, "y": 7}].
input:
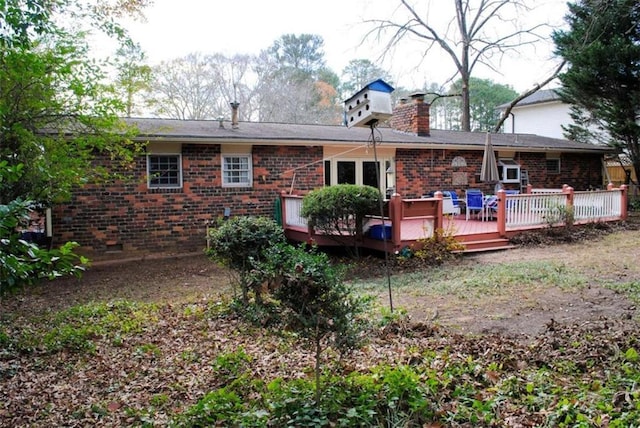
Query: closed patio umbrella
[{"x": 489, "y": 170}]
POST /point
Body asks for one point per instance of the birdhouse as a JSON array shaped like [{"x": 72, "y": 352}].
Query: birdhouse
[{"x": 369, "y": 105}]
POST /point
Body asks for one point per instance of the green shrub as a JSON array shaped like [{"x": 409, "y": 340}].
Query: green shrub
[
  {"x": 339, "y": 211},
  {"x": 23, "y": 263},
  {"x": 229, "y": 366},
  {"x": 239, "y": 242},
  {"x": 218, "y": 408},
  {"x": 315, "y": 301}
]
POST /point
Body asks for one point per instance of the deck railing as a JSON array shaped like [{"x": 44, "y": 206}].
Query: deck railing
[
  {"x": 596, "y": 206},
  {"x": 533, "y": 209},
  {"x": 292, "y": 209},
  {"x": 552, "y": 207}
]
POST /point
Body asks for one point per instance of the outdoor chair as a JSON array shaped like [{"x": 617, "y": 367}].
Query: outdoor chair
[
  {"x": 452, "y": 207},
  {"x": 454, "y": 199},
  {"x": 475, "y": 203},
  {"x": 490, "y": 206}
]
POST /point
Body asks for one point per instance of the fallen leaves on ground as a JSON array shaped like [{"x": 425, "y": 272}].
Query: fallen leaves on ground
[{"x": 170, "y": 363}]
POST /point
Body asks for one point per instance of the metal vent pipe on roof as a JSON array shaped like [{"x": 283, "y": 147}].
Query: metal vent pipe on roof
[{"x": 234, "y": 114}]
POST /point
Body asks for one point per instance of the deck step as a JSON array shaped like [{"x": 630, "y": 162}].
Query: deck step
[{"x": 487, "y": 245}]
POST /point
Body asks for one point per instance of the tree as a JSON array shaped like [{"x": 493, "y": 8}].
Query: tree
[
  {"x": 294, "y": 85},
  {"x": 484, "y": 96},
  {"x": 183, "y": 88},
  {"x": 235, "y": 82},
  {"x": 56, "y": 114},
  {"x": 473, "y": 36},
  {"x": 358, "y": 73},
  {"x": 602, "y": 82},
  {"x": 133, "y": 78},
  {"x": 314, "y": 301},
  {"x": 198, "y": 87},
  {"x": 301, "y": 55}
]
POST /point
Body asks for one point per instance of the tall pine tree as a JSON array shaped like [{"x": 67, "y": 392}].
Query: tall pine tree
[{"x": 602, "y": 82}]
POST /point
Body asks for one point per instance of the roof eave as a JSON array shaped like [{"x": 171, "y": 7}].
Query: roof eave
[{"x": 402, "y": 145}]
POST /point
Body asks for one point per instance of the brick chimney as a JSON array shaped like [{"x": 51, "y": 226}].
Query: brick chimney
[
  {"x": 412, "y": 116},
  {"x": 234, "y": 114}
]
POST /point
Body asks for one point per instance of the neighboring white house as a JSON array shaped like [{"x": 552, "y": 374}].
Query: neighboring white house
[{"x": 542, "y": 113}]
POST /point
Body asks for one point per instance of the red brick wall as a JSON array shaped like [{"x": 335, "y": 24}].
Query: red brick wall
[
  {"x": 421, "y": 171},
  {"x": 127, "y": 218},
  {"x": 580, "y": 171}
]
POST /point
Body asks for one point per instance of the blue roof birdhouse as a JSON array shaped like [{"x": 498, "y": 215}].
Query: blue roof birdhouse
[{"x": 369, "y": 105}]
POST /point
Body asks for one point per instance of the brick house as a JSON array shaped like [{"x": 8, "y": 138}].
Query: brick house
[{"x": 197, "y": 171}]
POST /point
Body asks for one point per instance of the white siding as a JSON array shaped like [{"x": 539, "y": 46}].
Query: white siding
[{"x": 545, "y": 119}]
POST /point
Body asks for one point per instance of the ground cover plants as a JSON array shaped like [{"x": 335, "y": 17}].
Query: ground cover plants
[{"x": 160, "y": 344}]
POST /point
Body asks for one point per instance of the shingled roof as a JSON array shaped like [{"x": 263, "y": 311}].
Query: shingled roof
[
  {"x": 538, "y": 97},
  {"x": 211, "y": 132}
]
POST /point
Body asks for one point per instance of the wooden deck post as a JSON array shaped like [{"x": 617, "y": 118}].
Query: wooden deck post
[
  {"x": 502, "y": 212},
  {"x": 568, "y": 190},
  {"x": 529, "y": 189},
  {"x": 395, "y": 214},
  {"x": 624, "y": 201},
  {"x": 439, "y": 220}
]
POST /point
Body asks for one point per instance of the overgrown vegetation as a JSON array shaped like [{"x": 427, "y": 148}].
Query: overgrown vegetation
[
  {"x": 56, "y": 115},
  {"x": 435, "y": 250},
  {"x": 198, "y": 364},
  {"x": 310, "y": 295},
  {"x": 559, "y": 216},
  {"x": 21, "y": 262},
  {"x": 228, "y": 374}
]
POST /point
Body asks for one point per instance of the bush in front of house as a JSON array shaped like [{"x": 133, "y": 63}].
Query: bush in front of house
[
  {"x": 239, "y": 243},
  {"x": 340, "y": 211},
  {"x": 308, "y": 291},
  {"x": 313, "y": 300}
]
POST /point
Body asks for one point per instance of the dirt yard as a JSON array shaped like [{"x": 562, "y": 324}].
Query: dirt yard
[{"x": 608, "y": 257}]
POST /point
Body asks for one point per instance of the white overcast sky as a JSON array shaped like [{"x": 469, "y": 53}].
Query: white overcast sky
[{"x": 174, "y": 29}]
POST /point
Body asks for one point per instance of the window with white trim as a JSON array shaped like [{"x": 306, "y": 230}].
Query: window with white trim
[
  {"x": 553, "y": 166},
  {"x": 360, "y": 172},
  {"x": 237, "y": 171},
  {"x": 509, "y": 171},
  {"x": 164, "y": 171}
]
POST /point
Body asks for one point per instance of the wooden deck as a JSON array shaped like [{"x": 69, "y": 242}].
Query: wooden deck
[
  {"x": 408, "y": 221},
  {"x": 476, "y": 235}
]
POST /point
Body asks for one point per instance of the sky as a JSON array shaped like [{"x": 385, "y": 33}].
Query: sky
[{"x": 174, "y": 29}]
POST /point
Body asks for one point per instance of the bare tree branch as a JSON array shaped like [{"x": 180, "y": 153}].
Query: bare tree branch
[
  {"x": 524, "y": 95},
  {"x": 470, "y": 37}
]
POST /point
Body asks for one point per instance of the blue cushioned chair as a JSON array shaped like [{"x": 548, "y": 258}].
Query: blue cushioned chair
[{"x": 475, "y": 203}]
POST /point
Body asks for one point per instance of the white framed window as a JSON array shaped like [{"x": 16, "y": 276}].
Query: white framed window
[
  {"x": 553, "y": 166},
  {"x": 509, "y": 171},
  {"x": 360, "y": 172},
  {"x": 164, "y": 171},
  {"x": 237, "y": 170}
]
